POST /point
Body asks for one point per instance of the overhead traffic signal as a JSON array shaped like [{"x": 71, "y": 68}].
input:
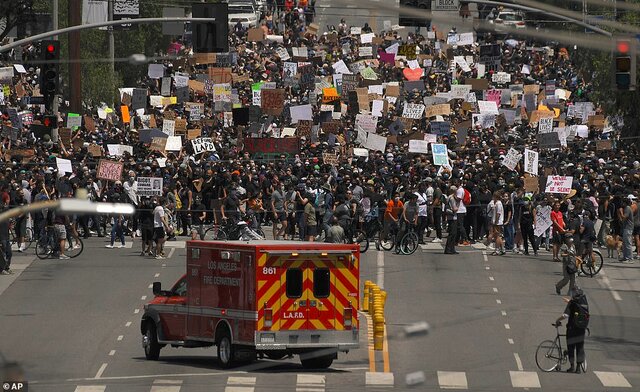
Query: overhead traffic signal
[
  {"x": 625, "y": 64},
  {"x": 211, "y": 37},
  {"x": 50, "y": 121},
  {"x": 49, "y": 71}
]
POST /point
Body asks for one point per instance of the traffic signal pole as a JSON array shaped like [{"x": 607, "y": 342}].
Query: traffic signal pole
[{"x": 75, "y": 68}]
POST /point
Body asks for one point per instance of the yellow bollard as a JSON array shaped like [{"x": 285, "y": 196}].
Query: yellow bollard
[
  {"x": 365, "y": 300},
  {"x": 371, "y": 296},
  {"x": 384, "y": 298},
  {"x": 378, "y": 332}
]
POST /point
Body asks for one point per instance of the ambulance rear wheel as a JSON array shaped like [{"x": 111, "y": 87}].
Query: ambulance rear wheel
[
  {"x": 225, "y": 351},
  {"x": 150, "y": 342},
  {"x": 323, "y": 362}
]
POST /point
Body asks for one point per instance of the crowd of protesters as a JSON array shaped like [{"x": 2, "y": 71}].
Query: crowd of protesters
[{"x": 473, "y": 197}]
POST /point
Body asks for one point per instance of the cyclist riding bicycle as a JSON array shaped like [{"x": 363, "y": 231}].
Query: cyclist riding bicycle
[
  {"x": 409, "y": 218},
  {"x": 576, "y": 330}
]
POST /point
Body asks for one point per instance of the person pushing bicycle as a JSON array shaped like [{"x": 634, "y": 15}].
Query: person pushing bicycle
[{"x": 577, "y": 311}]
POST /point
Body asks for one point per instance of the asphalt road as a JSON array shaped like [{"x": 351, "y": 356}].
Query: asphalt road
[{"x": 73, "y": 324}]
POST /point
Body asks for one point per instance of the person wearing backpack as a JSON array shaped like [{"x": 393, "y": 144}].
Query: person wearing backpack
[{"x": 577, "y": 311}]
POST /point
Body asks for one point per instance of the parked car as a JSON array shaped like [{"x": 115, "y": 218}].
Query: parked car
[{"x": 508, "y": 18}]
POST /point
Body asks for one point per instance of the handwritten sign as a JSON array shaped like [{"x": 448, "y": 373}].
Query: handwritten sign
[
  {"x": 511, "y": 159},
  {"x": 272, "y": 101},
  {"x": 531, "y": 162},
  {"x": 543, "y": 220},
  {"x": 413, "y": 110},
  {"x": 150, "y": 186},
  {"x": 559, "y": 184},
  {"x": 202, "y": 144},
  {"x": 109, "y": 170}
]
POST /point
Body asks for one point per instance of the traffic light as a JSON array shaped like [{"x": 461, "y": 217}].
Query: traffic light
[
  {"x": 49, "y": 71},
  {"x": 50, "y": 121},
  {"x": 211, "y": 37},
  {"x": 625, "y": 64}
]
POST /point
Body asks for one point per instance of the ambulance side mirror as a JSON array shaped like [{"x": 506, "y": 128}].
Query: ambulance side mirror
[{"x": 157, "y": 288}]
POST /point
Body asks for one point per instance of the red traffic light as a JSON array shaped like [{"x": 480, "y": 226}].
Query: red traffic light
[
  {"x": 623, "y": 46},
  {"x": 51, "y": 48},
  {"x": 47, "y": 122},
  {"x": 50, "y": 121}
]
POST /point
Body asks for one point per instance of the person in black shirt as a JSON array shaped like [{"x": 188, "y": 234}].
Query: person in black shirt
[
  {"x": 527, "y": 224},
  {"x": 145, "y": 219},
  {"x": 198, "y": 216},
  {"x": 5, "y": 257},
  {"x": 575, "y": 334}
]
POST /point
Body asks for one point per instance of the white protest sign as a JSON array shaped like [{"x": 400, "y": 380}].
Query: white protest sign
[
  {"x": 545, "y": 125},
  {"x": 341, "y": 68},
  {"x": 181, "y": 81},
  {"x": 465, "y": 39},
  {"x": 174, "y": 143},
  {"x": 117, "y": 150},
  {"x": 367, "y": 38},
  {"x": 460, "y": 60},
  {"x": 150, "y": 186},
  {"x": 202, "y": 144},
  {"x": 366, "y": 123},
  {"x": 531, "y": 162},
  {"x": 488, "y": 107},
  {"x": 419, "y": 146},
  {"x": 377, "y": 107},
  {"x": 64, "y": 165},
  {"x": 360, "y": 152},
  {"x": 301, "y": 112},
  {"x": 168, "y": 127},
  {"x": 430, "y": 138},
  {"x": 282, "y": 53},
  {"x": 393, "y": 48},
  {"x": 376, "y": 142},
  {"x": 511, "y": 159},
  {"x": 74, "y": 121},
  {"x": 459, "y": 91},
  {"x": 413, "y": 110},
  {"x": 501, "y": 77},
  {"x": 484, "y": 120},
  {"x": 155, "y": 71},
  {"x": 543, "y": 220},
  {"x": 559, "y": 184}
]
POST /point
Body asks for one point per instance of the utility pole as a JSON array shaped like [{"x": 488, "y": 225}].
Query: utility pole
[
  {"x": 112, "y": 46},
  {"x": 75, "y": 68},
  {"x": 55, "y": 12}
]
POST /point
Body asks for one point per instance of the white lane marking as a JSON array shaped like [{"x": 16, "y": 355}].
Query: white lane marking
[
  {"x": 160, "y": 381},
  {"x": 128, "y": 324},
  {"x": 380, "y": 379},
  {"x": 607, "y": 284},
  {"x": 311, "y": 379},
  {"x": 503, "y": 313},
  {"x": 164, "y": 265},
  {"x": 510, "y": 341},
  {"x": 453, "y": 380},
  {"x": 498, "y": 301},
  {"x": 491, "y": 278},
  {"x": 495, "y": 289},
  {"x": 484, "y": 256},
  {"x": 518, "y": 361},
  {"x": 136, "y": 311},
  {"x": 143, "y": 298},
  {"x": 151, "y": 286},
  {"x": 165, "y": 388},
  {"x": 112, "y": 353},
  {"x": 120, "y": 337},
  {"x": 487, "y": 267},
  {"x": 156, "y": 275},
  {"x": 380, "y": 273},
  {"x": 507, "y": 326},
  {"x": 101, "y": 370},
  {"x": 524, "y": 379},
  {"x": 613, "y": 379},
  {"x": 171, "y": 253},
  {"x": 233, "y": 388},
  {"x": 91, "y": 388},
  {"x": 241, "y": 380}
]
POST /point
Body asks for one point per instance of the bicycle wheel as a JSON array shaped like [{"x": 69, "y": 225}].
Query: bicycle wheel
[
  {"x": 361, "y": 239},
  {"x": 28, "y": 238},
  {"x": 43, "y": 248},
  {"x": 388, "y": 243},
  {"x": 409, "y": 243},
  {"x": 592, "y": 267},
  {"x": 548, "y": 356},
  {"x": 74, "y": 247}
]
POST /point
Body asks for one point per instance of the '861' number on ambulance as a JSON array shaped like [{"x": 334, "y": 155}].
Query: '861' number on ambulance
[{"x": 269, "y": 271}]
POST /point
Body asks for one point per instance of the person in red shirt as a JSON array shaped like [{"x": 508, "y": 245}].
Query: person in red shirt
[
  {"x": 392, "y": 215},
  {"x": 558, "y": 229}
]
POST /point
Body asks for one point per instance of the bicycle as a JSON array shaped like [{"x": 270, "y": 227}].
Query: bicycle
[
  {"x": 592, "y": 265},
  {"x": 409, "y": 242},
  {"x": 550, "y": 356},
  {"x": 359, "y": 237},
  {"x": 215, "y": 232},
  {"x": 48, "y": 245},
  {"x": 13, "y": 238}
]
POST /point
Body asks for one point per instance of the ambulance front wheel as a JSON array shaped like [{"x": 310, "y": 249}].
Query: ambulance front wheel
[
  {"x": 225, "y": 351},
  {"x": 322, "y": 362},
  {"x": 150, "y": 342}
]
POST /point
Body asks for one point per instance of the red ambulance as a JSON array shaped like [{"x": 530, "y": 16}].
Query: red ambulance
[{"x": 266, "y": 298}]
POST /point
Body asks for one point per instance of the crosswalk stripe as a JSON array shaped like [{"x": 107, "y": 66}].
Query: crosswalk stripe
[
  {"x": 452, "y": 380},
  {"x": 520, "y": 379},
  {"x": 379, "y": 379},
  {"x": 310, "y": 383},
  {"x": 240, "y": 384},
  {"x": 165, "y": 388},
  {"x": 91, "y": 388},
  {"x": 613, "y": 379}
]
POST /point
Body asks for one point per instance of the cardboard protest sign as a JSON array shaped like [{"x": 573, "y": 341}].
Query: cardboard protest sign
[
  {"x": 559, "y": 184},
  {"x": 202, "y": 144},
  {"x": 109, "y": 170},
  {"x": 604, "y": 145},
  {"x": 65, "y": 136},
  {"x": 409, "y": 51},
  {"x": 439, "y": 110},
  {"x": 94, "y": 150},
  {"x": 303, "y": 128},
  {"x": 272, "y": 101},
  {"x": 158, "y": 144},
  {"x": 330, "y": 159},
  {"x": 536, "y": 115},
  {"x": 220, "y": 75},
  {"x": 180, "y": 126},
  {"x": 204, "y": 58},
  {"x": 255, "y": 35},
  {"x": 330, "y": 127},
  {"x": 531, "y": 184},
  {"x": 531, "y": 162},
  {"x": 194, "y": 133},
  {"x": 477, "y": 84},
  {"x": 150, "y": 186}
]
